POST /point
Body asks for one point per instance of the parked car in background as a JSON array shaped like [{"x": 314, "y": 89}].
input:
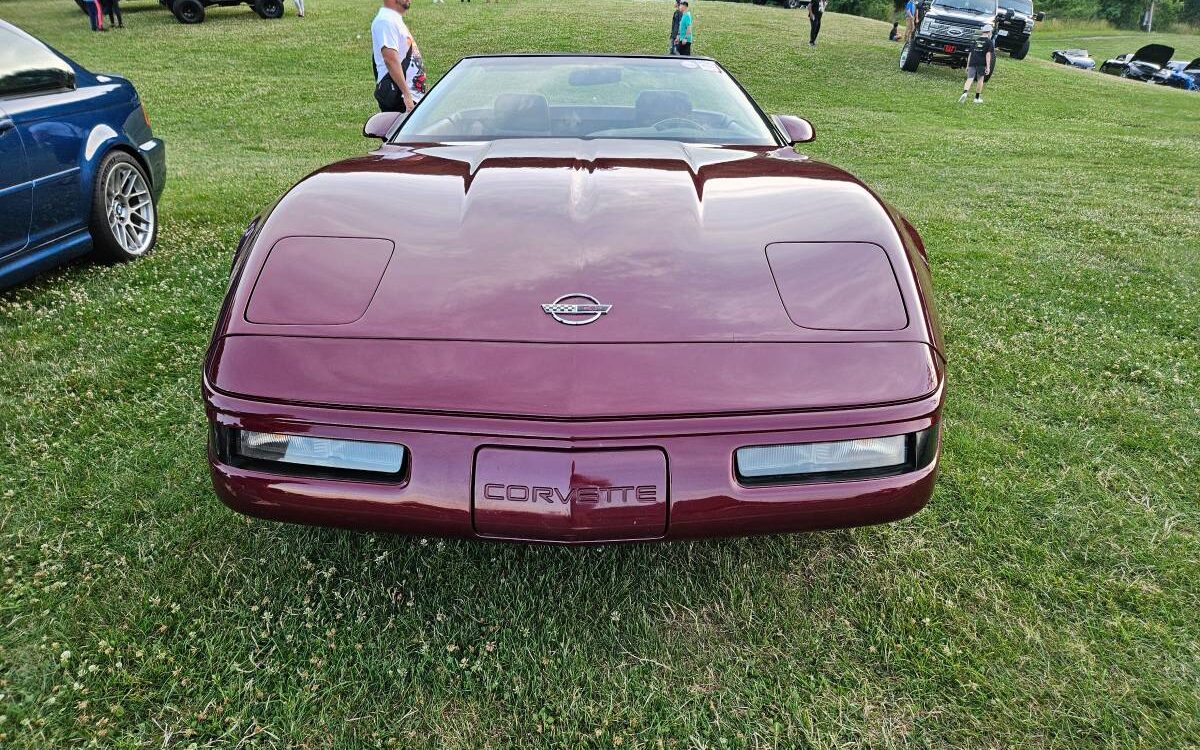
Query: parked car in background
[
  {"x": 1180, "y": 74},
  {"x": 1078, "y": 58},
  {"x": 946, "y": 32},
  {"x": 569, "y": 293},
  {"x": 80, "y": 168},
  {"x": 1140, "y": 65},
  {"x": 192, "y": 11},
  {"x": 1014, "y": 27}
]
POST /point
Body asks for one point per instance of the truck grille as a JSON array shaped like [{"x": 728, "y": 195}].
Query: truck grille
[{"x": 951, "y": 33}]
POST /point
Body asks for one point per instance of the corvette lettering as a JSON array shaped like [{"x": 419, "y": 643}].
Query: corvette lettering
[{"x": 520, "y": 493}]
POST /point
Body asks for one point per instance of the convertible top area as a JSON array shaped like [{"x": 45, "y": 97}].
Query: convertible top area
[{"x": 584, "y": 96}]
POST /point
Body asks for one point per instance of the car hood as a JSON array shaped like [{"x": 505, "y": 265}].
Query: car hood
[
  {"x": 673, "y": 236},
  {"x": 967, "y": 17},
  {"x": 1155, "y": 54}
]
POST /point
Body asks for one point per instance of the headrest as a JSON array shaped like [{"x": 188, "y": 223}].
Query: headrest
[{"x": 525, "y": 114}]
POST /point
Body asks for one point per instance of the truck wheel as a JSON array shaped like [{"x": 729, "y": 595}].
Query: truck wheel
[
  {"x": 793, "y": 4},
  {"x": 909, "y": 58},
  {"x": 1020, "y": 52},
  {"x": 188, "y": 11},
  {"x": 124, "y": 219},
  {"x": 269, "y": 9}
]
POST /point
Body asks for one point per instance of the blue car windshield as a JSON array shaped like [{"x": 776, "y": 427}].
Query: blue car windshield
[{"x": 668, "y": 98}]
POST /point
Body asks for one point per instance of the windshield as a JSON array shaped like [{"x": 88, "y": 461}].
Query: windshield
[
  {"x": 1020, "y": 6},
  {"x": 986, "y": 7},
  {"x": 587, "y": 97}
]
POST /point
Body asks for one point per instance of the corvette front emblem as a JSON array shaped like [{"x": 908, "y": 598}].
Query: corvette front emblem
[{"x": 583, "y": 309}]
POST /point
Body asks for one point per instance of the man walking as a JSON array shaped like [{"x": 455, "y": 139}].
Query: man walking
[
  {"x": 983, "y": 51},
  {"x": 675, "y": 18},
  {"x": 816, "y": 9},
  {"x": 683, "y": 40},
  {"x": 399, "y": 69}
]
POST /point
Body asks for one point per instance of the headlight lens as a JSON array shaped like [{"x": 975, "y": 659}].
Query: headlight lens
[
  {"x": 835, "y": 461},
  {"x": 327, "y": 453},
  {"x": 925, "y": 26}
]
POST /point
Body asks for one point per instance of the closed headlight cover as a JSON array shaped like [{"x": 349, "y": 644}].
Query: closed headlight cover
[{"x": 842, "y": 286}]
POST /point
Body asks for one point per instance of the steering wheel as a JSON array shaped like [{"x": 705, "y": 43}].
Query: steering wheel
[{"x": 678, "y": 122}]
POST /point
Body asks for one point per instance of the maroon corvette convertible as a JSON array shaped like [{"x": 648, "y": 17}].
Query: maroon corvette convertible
[{"x": 578, "y": 299}]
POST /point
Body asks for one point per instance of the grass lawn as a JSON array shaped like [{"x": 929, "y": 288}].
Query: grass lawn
[{"x": 1047, "y": 597}]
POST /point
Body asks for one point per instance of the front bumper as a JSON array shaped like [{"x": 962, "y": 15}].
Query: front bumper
[
  {"x": 435, "y": 496},
  {"x": 933, "y": 51}
]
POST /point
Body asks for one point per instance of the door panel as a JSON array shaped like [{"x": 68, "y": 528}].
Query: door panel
[
  {"x": 54, "y": 128},
  {"x": 16, "y": 192}
]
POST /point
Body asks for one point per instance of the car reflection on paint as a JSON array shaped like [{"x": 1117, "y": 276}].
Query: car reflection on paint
[{"x": 578, "y": 299}]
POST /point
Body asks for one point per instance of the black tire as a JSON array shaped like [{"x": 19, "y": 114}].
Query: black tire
[
  {"x": 121, "y": 180},
  {"x": 910, "y": 59},
  {"x": 793, "y": 4},
  {"x": 269, "y": 9},
  {"x": 188, "y": 11},
  {"x": 1020, "y": 52}
]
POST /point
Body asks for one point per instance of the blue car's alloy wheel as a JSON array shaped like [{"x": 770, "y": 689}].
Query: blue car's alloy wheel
[{"x": 124, "y": 218}]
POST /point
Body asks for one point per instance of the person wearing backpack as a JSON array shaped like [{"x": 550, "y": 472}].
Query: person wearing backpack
[{"x": 399, "y": 69}]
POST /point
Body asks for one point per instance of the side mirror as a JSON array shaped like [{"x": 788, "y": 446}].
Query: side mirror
[
  {"x": 381, "y": 123},
  {"x": 1039, "y": 16},
  {"x": 797, "y": 129}
]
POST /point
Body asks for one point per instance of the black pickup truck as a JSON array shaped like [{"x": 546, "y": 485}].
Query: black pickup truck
[
  {"x": 1014, "y": 27},
  {"x": 946, "y": 31}
]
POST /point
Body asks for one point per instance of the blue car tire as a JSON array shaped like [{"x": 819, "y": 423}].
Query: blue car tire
[{"x": 124, "y": 217}]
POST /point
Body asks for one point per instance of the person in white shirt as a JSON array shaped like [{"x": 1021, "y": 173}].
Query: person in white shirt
[{"x": 399, "y": 69}]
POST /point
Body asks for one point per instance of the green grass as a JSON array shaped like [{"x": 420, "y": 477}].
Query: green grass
[{"x": 1047, "y": 597}]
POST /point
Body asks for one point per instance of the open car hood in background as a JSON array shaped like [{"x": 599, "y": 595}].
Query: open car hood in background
[{"x": 1156, "y": 54}]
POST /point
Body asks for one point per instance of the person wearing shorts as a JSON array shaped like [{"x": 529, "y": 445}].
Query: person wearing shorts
[{"x": 983, "y": 51}]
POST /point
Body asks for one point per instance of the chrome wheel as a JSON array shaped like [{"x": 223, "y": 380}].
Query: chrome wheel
[{"x": 130, "y": 209}]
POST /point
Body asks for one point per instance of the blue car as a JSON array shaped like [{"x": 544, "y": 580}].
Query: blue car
[
  {"x": 1180, "y": 74},
  {"x": 80, "y": 170}
]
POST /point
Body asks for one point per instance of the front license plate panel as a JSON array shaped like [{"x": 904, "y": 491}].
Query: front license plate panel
[{"x": 568, "y": 496}]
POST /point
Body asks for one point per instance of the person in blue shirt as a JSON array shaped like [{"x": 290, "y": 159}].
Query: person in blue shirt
[
  {"x": 683, "y": 42},
  {"x": 911, "y": 11}
]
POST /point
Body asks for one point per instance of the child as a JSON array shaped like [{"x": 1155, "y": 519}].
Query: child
[{"x": 683, "y": 42}]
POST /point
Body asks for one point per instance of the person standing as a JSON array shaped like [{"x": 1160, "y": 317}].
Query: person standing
[
  {"x": 683, "y": 39},
  {"x": 675, "y": 17},
  {"x": 112, "y": 8},
  {"x": 979, "y": 62},
  {"x": 399, "y": 69},
  {"x": 299, "y": 7},
  {"x": 94, "y": 12},
  {"x": 910, "y": 19},
  {"x": 816, "y": 9}
]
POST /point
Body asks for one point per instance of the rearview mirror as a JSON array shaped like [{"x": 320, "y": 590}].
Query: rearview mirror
[
  {"x": 381, "y": 123},
  {"x": 797, "y": 129},
  {"x": 1039, "y": 16}
]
